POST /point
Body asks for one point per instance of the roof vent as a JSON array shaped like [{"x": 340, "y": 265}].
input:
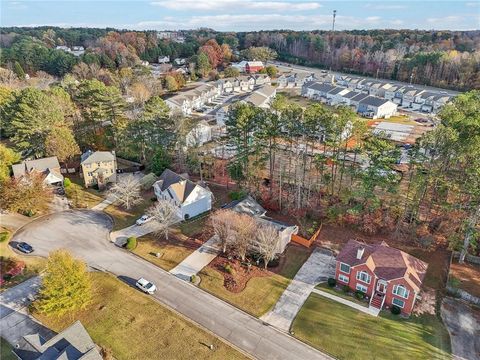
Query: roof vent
[{"x": 360, "y": 252}]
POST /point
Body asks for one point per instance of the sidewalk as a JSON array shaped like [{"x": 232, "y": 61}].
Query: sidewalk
[
  {"x": 317, "y": 268},
  {"x": 367, "y": 310},
  {"x": 197, "y": 260},
  {"x": 101, "y": 206}
]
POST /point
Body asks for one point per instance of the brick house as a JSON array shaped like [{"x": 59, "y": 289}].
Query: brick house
[
  {"x": 388, "y": 276},
  {"x": 253, "y": 66}
]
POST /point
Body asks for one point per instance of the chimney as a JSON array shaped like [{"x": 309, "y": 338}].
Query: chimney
[{"x": 360, "y": 252}]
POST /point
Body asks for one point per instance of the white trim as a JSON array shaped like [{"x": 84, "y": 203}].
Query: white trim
[
  {"x": 395, "y": 291},
  {"x": 362, "y": 287},
  {"x": 349, "y": 268},
  {"x": 345, "y": 279},
  {"x": 400, "y": 306},
  {"x": 366, "y": 273}
]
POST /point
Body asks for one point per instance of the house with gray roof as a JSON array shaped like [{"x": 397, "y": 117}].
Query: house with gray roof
[
  {"x": 48, "y": 167},
  {"x": 99, "y": 168},
  {"x": 375, "y": 107},
  {"x": 190, "y": 198},
  {"x": 73, "y": 343}
]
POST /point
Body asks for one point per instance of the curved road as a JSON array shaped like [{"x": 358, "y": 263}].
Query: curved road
[{"x": 85, "y": 234}]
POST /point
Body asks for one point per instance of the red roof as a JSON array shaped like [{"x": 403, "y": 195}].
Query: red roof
[{"x": 385, "y": 262}]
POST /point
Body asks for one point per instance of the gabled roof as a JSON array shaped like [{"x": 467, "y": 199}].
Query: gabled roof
[
  {"x": 90, "y": 157},
  {"x": 176, "y": 184},
  {"x": 321, "y": 87},
  {"x": 40, "y": 165},
  {"x": 374, "y": 101},
  {"x": 359, "y": 97},
  {"x": 336, "y": 90},
  {"x": 351, "y": 94},
  {"x": 248, "y": 206},
  {"x": 385, "y": 262}
]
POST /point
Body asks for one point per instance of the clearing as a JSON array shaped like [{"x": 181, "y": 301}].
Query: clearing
[
  {"x": 134, "y": 326},
  {"x": 349, "y": 334}
]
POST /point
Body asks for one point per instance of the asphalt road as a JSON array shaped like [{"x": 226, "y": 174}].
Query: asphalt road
[{"x": 85, "y": 234}]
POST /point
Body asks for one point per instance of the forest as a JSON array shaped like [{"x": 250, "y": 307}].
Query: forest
[{"x": 448, "y": 59}]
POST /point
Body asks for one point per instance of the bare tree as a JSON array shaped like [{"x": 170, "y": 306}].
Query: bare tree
[
  {"x": 266, "y": 242},
  {"x": 126, "y": 191},
  {"x": 245, "y": 227},
  {"x": 165, "y": 214},
  {"x": 222, "y": 222}
]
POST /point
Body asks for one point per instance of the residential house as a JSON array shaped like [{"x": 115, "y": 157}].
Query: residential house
[
  {"x": 253, "y": 66},
  {"x": 394, "y": 94},
  {"x": 262, "y": 97},
  {"x": 252, "y": 208},
  {"x": 243, "y": 84},
  {"x": 355, "y": 100},
  {"x": 200, "y": 134},
  {"x": 180, "y": 104},
  {"x": 388, "y": 276},
  {"x": 408, "y": 95},
  {"x": 73, "y": 343},
  {"x": 240, "y": 66},
  {"x": 261, "y": 79},
  {"x": 335, "y": 96},
  {"x": 48, "y": 168},
  {"x": 163, "y": 59},
  {"x": 316, "y": 90},
  {"x": 221, "y": 115},
  {"x": 375, "y": 107},
  {"x": 99, "y": 168},
  {"x": 421, "y": 99},
  {"x": 191, "y": 199},
  {"x": 186, "y": 102},
  {"x": 180, "y": 61},
  {"x": 225, "y": 86}
]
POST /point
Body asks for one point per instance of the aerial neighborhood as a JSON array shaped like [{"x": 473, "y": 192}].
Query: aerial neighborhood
[{"x": 224, "y": 194}]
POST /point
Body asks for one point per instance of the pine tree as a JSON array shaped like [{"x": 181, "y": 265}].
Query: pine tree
[
  {"x": 18, "y": 70},
  {"x": 66, "y": 286}
]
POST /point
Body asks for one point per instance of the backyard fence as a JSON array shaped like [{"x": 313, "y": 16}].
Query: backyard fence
[{"x": 306, "y": 242}]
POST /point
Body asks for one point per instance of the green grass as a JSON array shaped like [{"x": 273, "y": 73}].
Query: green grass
[
  {"x": 134, "y": 326},
  {"x": 171, "y": 253},
  {"x": 6, "y": 350},
  {"x": 4, "y": 236},
  {"x": 260, "y": 293},
  {"x": 349, "y": 334},
  {"x": 82, "y": 197},
  {"x": 123, "y": 218},
  {"x": 340, "y": 293}
]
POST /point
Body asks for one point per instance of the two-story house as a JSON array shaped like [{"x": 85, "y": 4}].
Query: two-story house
[
  {"x": 386, "y": 275},
  {"x": 191, "y": 199},
  {"x": 99, "y": 168}
]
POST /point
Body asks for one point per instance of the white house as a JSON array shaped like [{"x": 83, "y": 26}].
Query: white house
[
  {"x": 199, "y": 135},
  {"x": 262, "y": 97},
  {"x": 376, "y": 107},
  {"x": 190, "y": 198},
  {"x": 240, "y": 66}
]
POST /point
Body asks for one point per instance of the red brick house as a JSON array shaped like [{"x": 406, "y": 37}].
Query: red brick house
[
  {"x": 253, "y": 66},
  {"x": 386, "y": 275}
]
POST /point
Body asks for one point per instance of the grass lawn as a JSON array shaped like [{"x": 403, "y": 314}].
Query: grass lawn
[
  {"x": 340, "y": 293},
  {"x": 34, "y": 264},
  {"x": 349, "y": 334},
  {"x": 260, "y": 293},
  {"x": 400, "y": 119},
  {"x": 6, "y": 350},
  {"x": 134, "y": 326},
  {"x": 172, "y": 253},
  {"x": 193, "y": 227},
  {"x": 123, "y": 218},
  {"x": 80, "y": 196}
]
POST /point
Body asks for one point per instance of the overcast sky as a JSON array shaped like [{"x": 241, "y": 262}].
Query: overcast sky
[{"x": 243, "y": 15}]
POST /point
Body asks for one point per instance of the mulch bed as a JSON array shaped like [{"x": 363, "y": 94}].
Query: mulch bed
[{"x": 237, "y": 281}]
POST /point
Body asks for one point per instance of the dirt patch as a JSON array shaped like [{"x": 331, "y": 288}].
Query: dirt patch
[
  {"x": 468, "y": 275},
  {"x": 240, "y": 274}
]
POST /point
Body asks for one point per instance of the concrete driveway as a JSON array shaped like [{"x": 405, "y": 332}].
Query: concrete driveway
[
  {"x": 463, "y": 327},
  {"x": 85, "y": 234},
  {"x": 319, "y": 267}
]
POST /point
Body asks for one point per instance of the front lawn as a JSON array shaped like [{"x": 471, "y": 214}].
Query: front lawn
[
  {"x": 123, "y": 218},
  {"x": 6, "y": 350},
  {"x": 80, "y": 197},
  {"x": 134, "y": 326},
  {"x": 171, "y": 252},
  {"x": 195, "y": 227},
  {"x": 261, "y": 293},
  {"x": 350, "y": 334},
  {"x": 340, "y": 293}
]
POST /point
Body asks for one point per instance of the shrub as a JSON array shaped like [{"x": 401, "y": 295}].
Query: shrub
[
  {"x": 3, "y": 236},
  {"x": 359, "y": 294},
  {"x": 345, "y": 289},
  {"x": 193, "y": 278},
  {"x": 131, "y": 243},
  {"x": 236, "y": 195},
  {"x": 7, "y": 277},
  {"x": 331, "y": 282},
  {"x": 228, "y": 268},
  {"x": 395, "y": 310},
  {"x": 67, "y": 182}
]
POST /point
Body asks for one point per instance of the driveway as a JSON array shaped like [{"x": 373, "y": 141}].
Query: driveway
[
  {"x": 15, "y": 322},
  {"x": 463, "y": 326},
  {"x": 85, "y": 234},
  {"x": 319, "y": 267}
]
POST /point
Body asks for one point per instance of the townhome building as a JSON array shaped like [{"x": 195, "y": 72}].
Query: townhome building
[
  {"x": 375, "y": 107},
  {"x": 387, "y": 276}
]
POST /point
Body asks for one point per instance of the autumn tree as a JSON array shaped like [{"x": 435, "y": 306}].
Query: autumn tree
[
  {"x": 261, "y": 53},
  {"x": 7, "y": 158},
  {"x": 61, "y": 143},
  {"x": 66, "y": 285},
  {"x": 245, "y": 228},
  {"x": 231, "y": 72},
  {"x": 126, "y": 191},
  {"x": 165, "y": 214}
]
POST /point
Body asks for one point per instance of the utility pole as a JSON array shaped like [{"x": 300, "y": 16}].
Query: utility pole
[{"x": 334, "y": 16}]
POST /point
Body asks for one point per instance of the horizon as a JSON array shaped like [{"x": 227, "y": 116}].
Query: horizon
[{"x": 244, "y": 16}]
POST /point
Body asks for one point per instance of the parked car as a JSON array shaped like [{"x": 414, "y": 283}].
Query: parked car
[
  {"x": 24, "y": 247},
  {"x": 146, "y": 286},
  {"x": 143, "y": 220}
]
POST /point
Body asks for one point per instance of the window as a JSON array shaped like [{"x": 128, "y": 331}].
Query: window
[
  {"x": 401, "y": 291},
  {"x": 364, "y": 277},
  {"x": 361, "y": 288},
  {"x": 343, "y": 278},
  {"x": 398, "y": 302},
  {"x": 345, "y": 268}
]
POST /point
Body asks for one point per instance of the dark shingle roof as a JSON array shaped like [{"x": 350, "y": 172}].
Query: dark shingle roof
[{"x": 373, "y": 101}]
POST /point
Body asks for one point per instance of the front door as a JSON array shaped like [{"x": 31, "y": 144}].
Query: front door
[{"x": 381, "y": 286}]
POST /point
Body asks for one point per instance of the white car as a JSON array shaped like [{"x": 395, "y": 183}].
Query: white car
[
  {"x": 143, "y": 220},
  {"x": 146, "y": 286}
]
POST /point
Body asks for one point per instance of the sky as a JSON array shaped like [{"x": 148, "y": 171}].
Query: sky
[{"x": 243, "y": 15}]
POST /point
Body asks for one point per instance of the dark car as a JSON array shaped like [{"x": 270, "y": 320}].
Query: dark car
[{"x": 25, "y": 248}]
